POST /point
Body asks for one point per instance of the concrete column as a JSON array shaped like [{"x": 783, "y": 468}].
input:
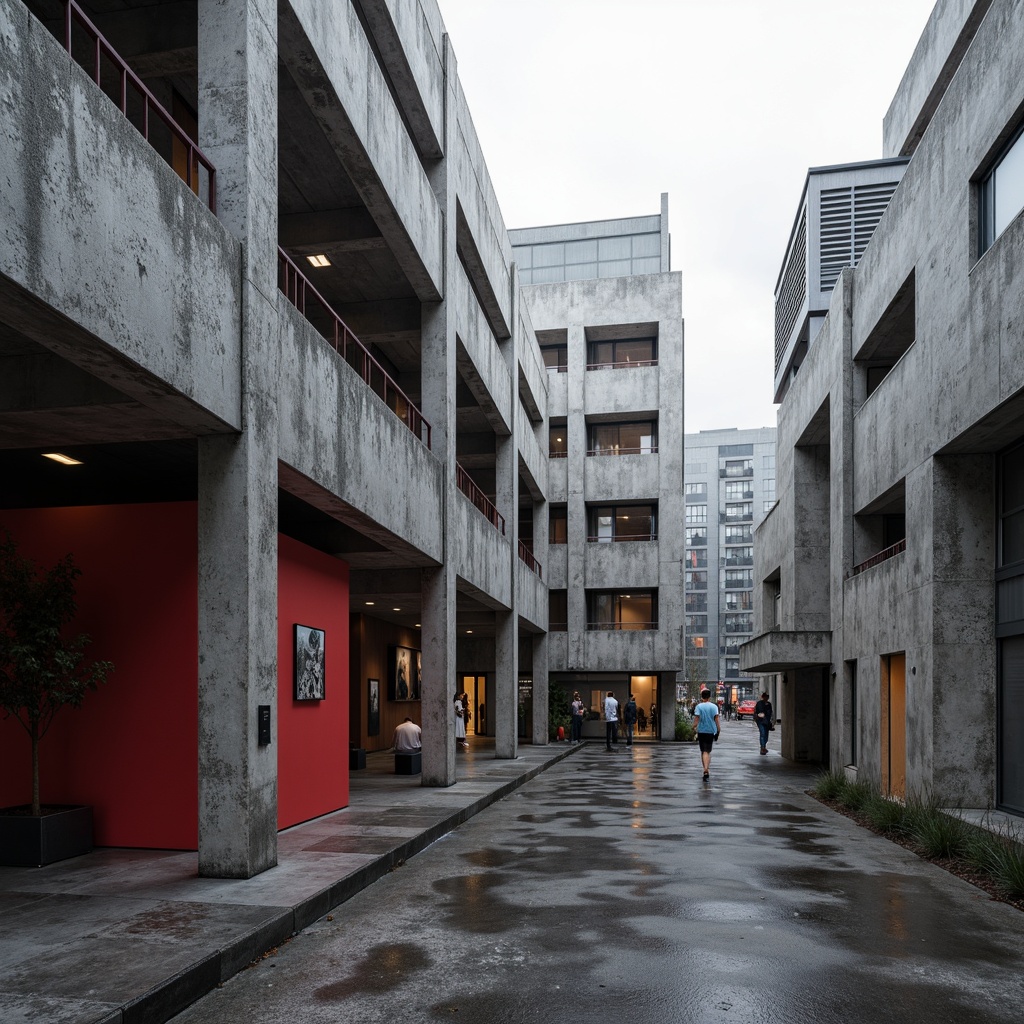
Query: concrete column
[
  {"x": 238, "y": 474},
  {"x": 438, "y": 374},
  {"x": 540, "y": 689},
  {"x": 576, "y": 536},
  {"x": 506, "y": 679}
]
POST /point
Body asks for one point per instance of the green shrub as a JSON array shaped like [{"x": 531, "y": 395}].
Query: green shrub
[
  {"x": 684, "y": 726},
  {"x": 1006, "y": 865},
  {"x": 939, "y": 833},
  {"x": 887, "y": 816},
  {"x": 855, "y": 795},
  {"x": 829, "y": 785}
]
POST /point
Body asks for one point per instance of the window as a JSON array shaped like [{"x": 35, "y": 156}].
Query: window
[
  {"x": 696, "y": 603},
  {"x": 739, "y": 556},
  {"x": 696, "y": 580},
  {"x": 558, "y": 611},
  {"x": 696, "y": 492},
  {"x": 558, "y": 524},
  {"x": 768, "y": 461},
  {"x": 696, "y": 468},
  {"x": 739, "y": 601},
  {"x": 727, "y": 450},
  {"x": 739, "y": 510},
  {"x": 558, "y": 442},
  {"x": 697, "y": 514},
  {"x": 634, "y": 610},
  {"x": 696, "y": 624},
  {"x": 622, "y": 353},
  {"x": 739, "y": 535},
  {"x": 737, "y": 490},
  {"x": 742, "y": 622},
  {"x": 556, "y": 357},
  {"x": 696, "y": 558},
  {"x": 738, "y": 467},
  {"x": 607, "y": 523},
  {"x": 697, "y": 536},
  {"x": 1002, "y": 192},
  {"x": 732, "y": 668},
  {"x": 634, "y": 438},
  {"x": 739, "y": 578},
  {"x": 767, "y": 506},
  {"x": 769, "y": 487}
]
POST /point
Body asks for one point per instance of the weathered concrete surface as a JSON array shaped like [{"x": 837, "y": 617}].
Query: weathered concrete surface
[
  {"x": 621, "y": 887},
  {"x": 136, "y": 935}
]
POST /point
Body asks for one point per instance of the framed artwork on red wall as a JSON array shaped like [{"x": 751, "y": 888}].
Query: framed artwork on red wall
[{"x": 310, "y": 663}]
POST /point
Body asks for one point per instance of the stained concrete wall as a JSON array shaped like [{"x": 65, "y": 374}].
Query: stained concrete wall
[
  {"x": 931, "y": 430},
  {"x": 167, "y": 309}
]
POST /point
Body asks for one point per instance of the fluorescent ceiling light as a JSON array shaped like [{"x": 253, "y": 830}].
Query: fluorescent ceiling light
[
  {"x": 319, "y": 260},
  {"x": 64, "y": 460}
]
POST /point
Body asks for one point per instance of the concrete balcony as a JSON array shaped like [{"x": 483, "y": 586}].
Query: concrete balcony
[
  {"x": 780, "y": 650},
  {"x": 621, "y": 564}
]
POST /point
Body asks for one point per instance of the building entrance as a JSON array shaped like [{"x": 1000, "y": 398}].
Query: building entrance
[
  {"x": 894, "y": 724},
  {"x": 476, "y": 717}
]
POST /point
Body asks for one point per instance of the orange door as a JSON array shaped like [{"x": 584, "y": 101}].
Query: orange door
[{"x": 894, "y": 725}]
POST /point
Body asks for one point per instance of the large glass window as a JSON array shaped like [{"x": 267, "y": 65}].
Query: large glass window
[
  {"x": 639, "y": 437},
  {"x": 739, "y": 556},
  {"x": 1002, "y": 191},
  {"x": 739, "y": 510},
  {"x": 622, "y": 353},
  {"x": 697, "y": 536},
  {"x": 696, "y": 581},
  {"x": 739, "y": 601},
  {"x": 696, "y": 624},
  {"x": 696, "y": 558},
  {"x": 558, "y": 611},
  {"x": 558, "y": 442},
  {"x": 697, "y": 514},
  {"x": 739, "y": 578},
  {"x": 621, "y": 522},
  {"x": 737, "y": 490},
  {"x": 696, "y": 492},
  {"x": 556, "y": 357},
  {"x": 696, "y": 603},
  {"x": 739, "y": 535},
  {"x": 558, "y": 524},
  {"x": 739, "y": 467},
  {"x": 635, "y": 610}
]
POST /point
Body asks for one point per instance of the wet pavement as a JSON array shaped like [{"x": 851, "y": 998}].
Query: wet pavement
[
  {"x": 620, "y": 886},
  {"x": 133, "y": 936}
]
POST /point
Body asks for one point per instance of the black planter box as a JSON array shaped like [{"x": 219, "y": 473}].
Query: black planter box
[
  {"x": 408, "y": 764},
  {"x": 356, "y": 758},
  {"x": 29, "y": 842}
]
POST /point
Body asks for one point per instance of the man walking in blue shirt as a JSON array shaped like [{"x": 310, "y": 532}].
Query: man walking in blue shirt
[{"x": 705, "y": 721}]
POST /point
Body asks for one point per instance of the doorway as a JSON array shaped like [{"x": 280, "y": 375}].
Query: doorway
[
  {"x": 894, "y": 725},
  {"x": 476, "y": 719}
]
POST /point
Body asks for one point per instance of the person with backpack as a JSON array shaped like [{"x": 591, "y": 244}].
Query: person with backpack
[
  {"x": 629, "y": 716},
  {"x": 765, "y": 718}
]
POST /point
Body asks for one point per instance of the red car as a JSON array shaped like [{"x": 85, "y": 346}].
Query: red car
[{"x": 745, "y": 709}]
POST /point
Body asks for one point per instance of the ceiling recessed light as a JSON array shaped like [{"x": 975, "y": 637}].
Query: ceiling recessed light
[
  {"x": 396, "y": 609},
  {"x": 320, "y": 260},
  {"x": 469, "y": 631},
  {"x": 64, "y": 460},
  {"x": 369, "y": 604},
  {"x": 417, "y": 625}
]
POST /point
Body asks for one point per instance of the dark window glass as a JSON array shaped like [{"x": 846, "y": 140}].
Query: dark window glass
[
  {"x": 636, "y": 438},
  {"x": 558, "y": 524},
  {"x": 621, "y": 522},
  {"x": 558, "y": 611},
  {"x": 556, "y": 357},
  {"x": 634, "y": 610},
  {"x": 558, "y": 443}
]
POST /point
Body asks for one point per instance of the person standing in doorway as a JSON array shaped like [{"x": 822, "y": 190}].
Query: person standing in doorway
[
  {"x": 764, "y": 715},
  {"x": 655, "y": 724},
  {"x": 629, "y": 717},
  {"x": 611, "y": 721},
  {"x": 460, "y": 723},
  {"x": 576, "y": 725},
  {"x": 706, "y": 722}
]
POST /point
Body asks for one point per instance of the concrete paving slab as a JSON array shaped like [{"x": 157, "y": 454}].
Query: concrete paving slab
[{"x": 126, "y": 936}]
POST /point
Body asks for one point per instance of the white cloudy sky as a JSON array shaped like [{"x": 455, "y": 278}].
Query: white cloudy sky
[{"x": 588, "y": 109}]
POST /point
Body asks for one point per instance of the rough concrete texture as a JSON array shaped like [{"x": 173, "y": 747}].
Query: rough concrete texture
[
  {"x": 622, "y": 887},
  {"x": 136, "y": 935},
  {"x": 924, "y": 442}
]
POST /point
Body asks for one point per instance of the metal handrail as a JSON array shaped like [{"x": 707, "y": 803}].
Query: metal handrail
[
  {"x": 876, "y": 559},
  {"x": 593, "y": 539},
  {"x": 651, "y": 449},
  {"x": 558, "y": 455},
  {"x": 624, "y": 365},
  {"x": 297, "y": 288},
  {"x": 626, "y": 627},
  {"x": 467, "y": 485},
  {"x": 527, "y": 556},
  {"x": 74, "y": 13}
]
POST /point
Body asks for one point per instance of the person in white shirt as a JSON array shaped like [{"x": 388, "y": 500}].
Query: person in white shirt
[
  {"x": 408, "y": 738},
  {"x": 611, "y": 721}
]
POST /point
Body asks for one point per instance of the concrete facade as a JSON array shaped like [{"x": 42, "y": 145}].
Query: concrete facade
[
  {"x": 892, "y": 536},
  {"x": 607, "y": 312}
]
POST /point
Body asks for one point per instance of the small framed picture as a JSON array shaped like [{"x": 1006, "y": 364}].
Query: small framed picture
[
  {"x": 373, "y": 707},
  {"x": 310, "y": 663}
]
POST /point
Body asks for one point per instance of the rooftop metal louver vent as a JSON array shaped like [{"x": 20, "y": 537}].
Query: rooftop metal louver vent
[
  {"x": 792, "y": 291},
  {"x": 849, "y": 216}
]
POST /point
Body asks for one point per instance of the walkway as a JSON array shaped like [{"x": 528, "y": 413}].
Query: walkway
[{"x": 126, "y": 936}]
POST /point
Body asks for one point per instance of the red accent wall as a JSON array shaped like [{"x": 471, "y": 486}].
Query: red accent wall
[
  {"x": 131, "y": 750},
  {"x": 312, "y": 736}
]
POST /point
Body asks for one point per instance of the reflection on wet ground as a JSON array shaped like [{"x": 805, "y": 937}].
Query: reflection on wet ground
[{"x": 623, "y": 887}]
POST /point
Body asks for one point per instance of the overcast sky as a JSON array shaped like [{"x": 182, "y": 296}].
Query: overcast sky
[{"x": 590, "y": 109}]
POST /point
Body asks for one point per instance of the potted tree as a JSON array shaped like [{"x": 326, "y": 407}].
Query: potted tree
[{"x": 41, "y": 671}]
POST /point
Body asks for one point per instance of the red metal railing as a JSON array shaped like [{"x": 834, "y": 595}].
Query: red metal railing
[
  {"x": 531, "y": 563},
  {"x": 465, "y": 483},
  {"x": 194, "y": 156},
  {"x": 299, "y": 290},
  {"x": 895, "y": 549}
]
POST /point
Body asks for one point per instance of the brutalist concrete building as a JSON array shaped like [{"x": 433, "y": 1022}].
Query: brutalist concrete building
[
  {"x": 890, "y": 572},
  {"x": 729, "y": 488},
  {"x": 258, "y": 295},
  {"x": 606, "y": 309}
]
